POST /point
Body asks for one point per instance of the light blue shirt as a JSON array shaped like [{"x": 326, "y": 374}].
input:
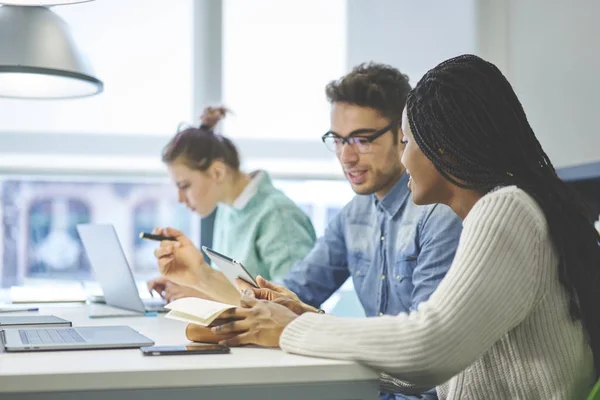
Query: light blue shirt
[
  {"x": 264, "y": 230},
  {"x": 396, "y": 252}
]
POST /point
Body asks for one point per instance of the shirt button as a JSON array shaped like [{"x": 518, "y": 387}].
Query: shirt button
[
  {"x": 382, "y": 238},
  {"x": 382, "y": 276},
  {"x": 398, "y": 277},
  {"x": 357, "y": 273},
  {"x": 380, "y": 313}
]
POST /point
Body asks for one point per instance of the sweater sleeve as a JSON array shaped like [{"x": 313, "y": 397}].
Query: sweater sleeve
[
  {"x": 492, "y": 285},
  {"x": 285, "y": 236}
]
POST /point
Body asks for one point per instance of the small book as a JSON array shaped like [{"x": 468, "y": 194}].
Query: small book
[
  {"x": 33, "y": 321},
  {"x": 195, "y": 310}
]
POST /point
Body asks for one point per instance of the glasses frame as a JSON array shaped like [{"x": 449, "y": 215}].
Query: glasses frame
[{"x": 351, "y": 140}]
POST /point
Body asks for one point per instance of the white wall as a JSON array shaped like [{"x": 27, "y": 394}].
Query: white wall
[
  {"x": 411, "y": 35},
  {"x": 554, "y": 64},
  {"x": 549, "y": 50}
]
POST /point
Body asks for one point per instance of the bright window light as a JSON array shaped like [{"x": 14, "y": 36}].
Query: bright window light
[{"x": 277, "y": 58}]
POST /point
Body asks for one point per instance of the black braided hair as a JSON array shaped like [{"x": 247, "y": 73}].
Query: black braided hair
[{"x": 467, "y": 119}]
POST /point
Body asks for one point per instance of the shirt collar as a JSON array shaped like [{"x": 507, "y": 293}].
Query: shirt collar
[
  {"x": 395, "y": 198},
  {"x": 249, "y": 191}
]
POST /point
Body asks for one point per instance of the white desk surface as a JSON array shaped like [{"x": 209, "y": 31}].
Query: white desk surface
[{"x": 129, "y": 369}]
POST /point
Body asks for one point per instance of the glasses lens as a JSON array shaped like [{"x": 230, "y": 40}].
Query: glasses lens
[
  {"x": 362, "y": 145},
  {"x": 331, "y": 143}
]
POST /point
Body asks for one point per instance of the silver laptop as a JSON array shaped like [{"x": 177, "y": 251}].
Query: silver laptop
[
  {"x": 112, "y": 270},
  {"x": 87, "y": 337}
]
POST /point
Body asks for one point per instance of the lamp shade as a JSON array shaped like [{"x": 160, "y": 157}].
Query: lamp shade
[{"x": 39, "y": 59}]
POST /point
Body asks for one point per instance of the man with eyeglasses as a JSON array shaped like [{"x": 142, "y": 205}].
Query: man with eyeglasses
[{"x": 395, "y": 251}]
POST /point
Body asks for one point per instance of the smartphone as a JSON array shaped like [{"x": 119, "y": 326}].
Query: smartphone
[{"x": 185, "y": 349}]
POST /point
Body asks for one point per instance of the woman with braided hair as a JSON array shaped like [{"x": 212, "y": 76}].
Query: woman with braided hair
[{"x": 515, "y": 317}]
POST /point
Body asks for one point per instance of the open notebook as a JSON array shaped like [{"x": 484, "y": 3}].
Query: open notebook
[{"x": 195, "y": 310}]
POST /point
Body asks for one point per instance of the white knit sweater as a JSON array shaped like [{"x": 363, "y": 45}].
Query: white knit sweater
[{"x": 497, "y": 327}]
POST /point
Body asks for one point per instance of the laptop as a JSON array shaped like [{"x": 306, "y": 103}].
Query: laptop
[
  {"x": 112, "y": 270},
  {"x": 67, "y": 338},
  {"x": 32, "y": 321}
]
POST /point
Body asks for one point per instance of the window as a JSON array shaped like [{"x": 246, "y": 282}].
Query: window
[
  {"x": 40, "y": 246},
  {"x": 143, "y": 54},
  {"x": 40, "y": 243},
  {"x": 277, "y": 58}
]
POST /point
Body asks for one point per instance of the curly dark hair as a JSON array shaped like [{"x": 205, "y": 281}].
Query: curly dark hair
[
  {"x": 467, "y": 107},
  {"x": 377, "y": 86}
]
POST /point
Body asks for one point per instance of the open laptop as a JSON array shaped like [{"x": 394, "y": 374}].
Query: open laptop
[
  {"x": 112, "y": 270},
  {"x": 81, "y": 338}
]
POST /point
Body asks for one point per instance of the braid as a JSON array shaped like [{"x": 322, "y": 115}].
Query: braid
[{"x": 468, "y": 121}]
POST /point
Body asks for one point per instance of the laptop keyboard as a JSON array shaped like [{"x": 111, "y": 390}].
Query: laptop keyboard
[{"x": 50, "y": 336}]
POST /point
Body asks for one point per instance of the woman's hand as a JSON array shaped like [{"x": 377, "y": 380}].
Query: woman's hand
[
  {"x": 258, "y": 322},
  {"x": 171, "y": 291},
  {"x": 158, "y": 285},
  {"x": 275, "y": 293},
  {"x": 197, "y": 333},
  {"x": 180, "y": 261}
]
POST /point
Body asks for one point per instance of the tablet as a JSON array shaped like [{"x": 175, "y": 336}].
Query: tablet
[{"x": 231, "y": 268}]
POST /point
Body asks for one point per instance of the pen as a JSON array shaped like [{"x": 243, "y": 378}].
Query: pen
[
  {"x": 160, "y": 238},
  {"x": 5, "y": 310}
]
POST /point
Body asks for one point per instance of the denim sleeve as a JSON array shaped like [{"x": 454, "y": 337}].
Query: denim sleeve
[
  {"x": 438, "y": 239},
  {"x": 315, "y": 278}
]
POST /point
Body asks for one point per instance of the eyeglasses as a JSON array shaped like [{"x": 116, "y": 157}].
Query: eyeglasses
[{"x": 362, "y": 144}]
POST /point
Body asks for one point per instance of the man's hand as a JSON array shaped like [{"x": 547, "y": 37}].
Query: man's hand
[
  {"x": 275, "y": 293},
  {"x": 268, "y": 289},
  {"x": 180, "y": 261},
  {"x": 258, "y": 322}
]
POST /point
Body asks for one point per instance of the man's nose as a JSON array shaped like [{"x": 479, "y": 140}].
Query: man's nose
[{"x": 348, "y": 154}]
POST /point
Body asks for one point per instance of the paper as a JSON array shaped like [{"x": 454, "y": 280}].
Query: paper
[
  {"x": 47, "y": 294},
  {"x": 195, "y": 310}
]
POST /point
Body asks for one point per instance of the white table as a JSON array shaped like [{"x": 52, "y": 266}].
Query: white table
[{"x": 246, "y": 373}]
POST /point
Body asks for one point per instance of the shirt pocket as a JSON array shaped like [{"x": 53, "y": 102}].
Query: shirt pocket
[
  {"x": 402, "y": 279},
  {"x": 404, "y": 268}
]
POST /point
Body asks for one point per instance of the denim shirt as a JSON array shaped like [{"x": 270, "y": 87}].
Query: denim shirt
[{"x": 396, "y": 252}]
